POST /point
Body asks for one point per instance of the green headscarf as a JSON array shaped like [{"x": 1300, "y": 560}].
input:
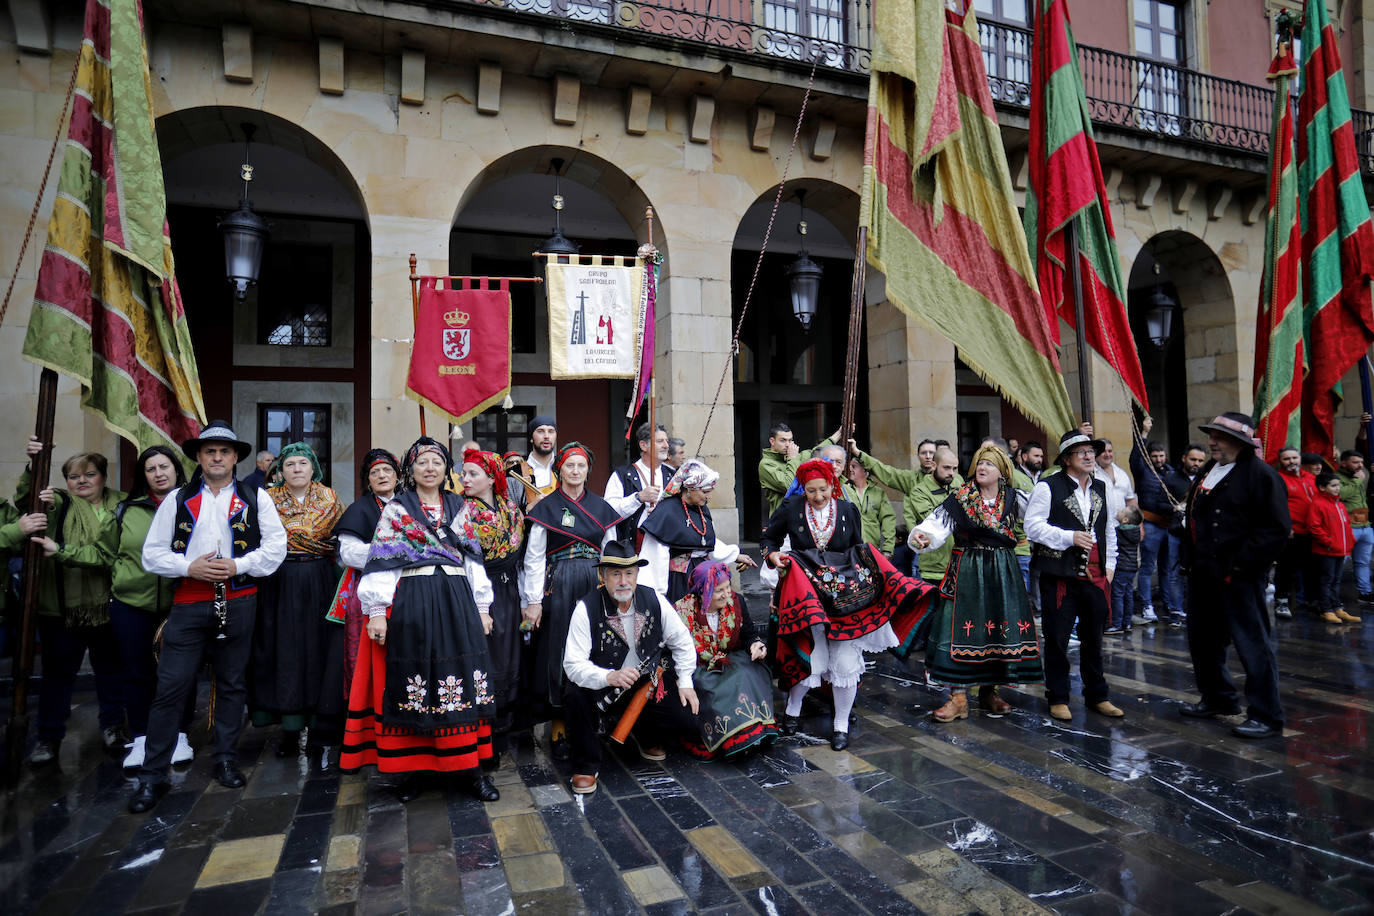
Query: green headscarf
[{"x": 291, "y": 451}]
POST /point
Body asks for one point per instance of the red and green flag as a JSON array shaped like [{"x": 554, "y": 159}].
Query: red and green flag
[
  {"x": 1337, "y": 237},
  {"x": 1279, "y": 347},
  {"x": 1066, "y": 186},
  {"x": 940, "y": 211},
  {"x": 106, "y": 310}
]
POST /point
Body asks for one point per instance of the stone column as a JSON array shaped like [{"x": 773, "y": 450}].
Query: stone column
[{"x": 910, "y": 385}]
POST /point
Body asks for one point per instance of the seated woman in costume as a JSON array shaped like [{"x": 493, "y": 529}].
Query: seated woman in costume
[
  {"x": 421, "y": 700},
  {"x": 838, "y": 599},
  {"x": 379, "y": 477},
  {"x": 679, "y": 534},
  {"x": 734, "y": 687},
  {"x": 982, "y": 632},
  {"x": 499, "y": 527},
  {"x": 570, "y": 527}
]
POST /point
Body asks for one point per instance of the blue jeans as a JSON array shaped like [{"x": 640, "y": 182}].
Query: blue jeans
[
  {"x": 1329, "y": 568},
  {"x": 1156, "y": 545},
  {"x": 1364, "y": 546},
  {"x": 1032, "y": 579},
  {"x": 1123, "y": 599}
]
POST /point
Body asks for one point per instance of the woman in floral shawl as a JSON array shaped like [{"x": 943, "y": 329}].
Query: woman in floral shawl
[
  {"x": 983, "y": 633},
  {"x": 733, "y": 685},
  {"x": 499, "y": 527},
  {"x": 679, "y": 534},
  {"x": 297, "y": 655},
  {"x": 421, "y": 698}
]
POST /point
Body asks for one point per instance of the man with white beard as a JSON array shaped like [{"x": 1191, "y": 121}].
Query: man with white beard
[{"x": 616, "y": 640}]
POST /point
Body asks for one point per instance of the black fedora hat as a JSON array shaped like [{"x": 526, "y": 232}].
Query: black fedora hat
[
  {"x": 620, "y": 555},
  {"x": 1074, "y": 438},
  {"x": 217, "y": 432},
  {"x": 1237, "y": 425}
]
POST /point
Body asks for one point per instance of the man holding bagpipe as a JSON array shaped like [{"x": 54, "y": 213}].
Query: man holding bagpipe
[{"x": 616, "y": 669}]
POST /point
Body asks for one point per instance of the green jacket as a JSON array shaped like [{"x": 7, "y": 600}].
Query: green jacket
[
  {"x": 1354, "y": 495},
  {"x": 926, "y": 499},
  {"x": 1021, "y": 482},
  {"x": 11, "y": 545},
  {"x": 879, "y": 521},
  {"x": 120, "y": 549},
  {"x": 904, "y": 481},
  {"x": 49, "y": 604},
  {"x": 776, "y": 474}
]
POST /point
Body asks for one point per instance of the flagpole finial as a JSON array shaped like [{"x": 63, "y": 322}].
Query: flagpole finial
[{"x": 1284, "y": 24}]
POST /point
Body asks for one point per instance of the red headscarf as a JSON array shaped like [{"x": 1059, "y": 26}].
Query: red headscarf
[
  {"x": 818, "y": 469},
  {"x": 491, "y": 466},
  {"x": 567, "y": 451}
]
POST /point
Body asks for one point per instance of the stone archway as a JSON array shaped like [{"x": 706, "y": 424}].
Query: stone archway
[{"x": 1198, "y": 374}]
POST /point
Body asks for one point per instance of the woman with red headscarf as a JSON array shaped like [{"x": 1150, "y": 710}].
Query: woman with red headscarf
[
  {"x": 837, "y": 600},
  {"x": 495, "y": 523},
  {"x": 570, "y": 526}
]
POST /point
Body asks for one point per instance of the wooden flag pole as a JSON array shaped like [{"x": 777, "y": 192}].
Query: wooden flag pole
[
  {"x": 1085, "y": 382},
  {"x": 856, "y": 325},
  {"x": 653, "y": 419},
  {"x": 17, "y": 728},
  {"x": 415, "y": 315},
  {"x": 1367, "y": 402}
]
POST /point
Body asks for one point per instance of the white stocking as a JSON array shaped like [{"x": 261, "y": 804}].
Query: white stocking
[
  {"x": 844, "y": 702},
  {"x": 794, "y": 699}
]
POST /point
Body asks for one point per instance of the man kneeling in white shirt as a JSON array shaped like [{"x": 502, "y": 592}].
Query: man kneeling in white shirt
[{"x": 616, "y": 642}]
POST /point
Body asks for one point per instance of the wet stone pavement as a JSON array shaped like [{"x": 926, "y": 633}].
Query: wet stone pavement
[{"x": 1153, "y": 814}]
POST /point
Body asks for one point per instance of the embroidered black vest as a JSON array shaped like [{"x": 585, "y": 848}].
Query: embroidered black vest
[
  {"x": 246, "y": 534},
  {"x": 1064, "y": 514},
  {"x": 608, "y": 649},
  {"x": 630, "y": 482}
]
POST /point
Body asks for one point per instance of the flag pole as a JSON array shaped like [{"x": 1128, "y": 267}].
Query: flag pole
[
  {"x": 856, "y": 324},
  {"x": 17, "y": 728},
  {"x": 1080, "y": 334},
  {"x": 653, "y": 422},
  {"x": 1368, "y": 405},
  {"x": 415, "y": 315}
]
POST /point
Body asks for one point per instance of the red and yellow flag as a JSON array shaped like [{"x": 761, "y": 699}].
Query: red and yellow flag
[{"x": 940, "y": 211}]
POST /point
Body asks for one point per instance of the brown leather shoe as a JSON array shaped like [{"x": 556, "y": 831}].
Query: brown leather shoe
[
  {"x": 991, "y": 703},
  {"x": 1060, "y": 711},
  {"x": 956, "y": 707},
  {"x": 583, "y": 785},
  {"x": 653, "y": 753},
  {"x": 1348, "y": 618},
  {"x": 1330, "y": 617},
  {"x": 1106, "y": 708}
]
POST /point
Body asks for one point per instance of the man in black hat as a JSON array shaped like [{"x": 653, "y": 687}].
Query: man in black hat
[
  {"x": 214, "y": 536},
  {"x": 1237, "y": 524},
  {"x": 615, "y": 644},
  {"x": 1073, "y": 547}
]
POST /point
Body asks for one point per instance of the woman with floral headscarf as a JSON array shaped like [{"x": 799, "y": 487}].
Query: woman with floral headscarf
[
  {"x": 982, "y": 633},
  {"x": 421, "y": 699},
  {"x": 379, "y": 477},
  {"x": 293, "y": 645},
  {"x": 499, "y": 527},
  {"x": 679, "y": 534},
  {"x": 734, "y": 687},
  {"x": 570, "y": 526},
  {"x": 838, "y": 599}
]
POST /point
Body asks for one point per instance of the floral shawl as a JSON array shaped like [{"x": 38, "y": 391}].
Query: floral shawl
[
  {"x": 406, "y": 537},
  {"x": 712, "y": 646},
  {"x": 994, "y": 517},
  {"x": 499, "y": 529},
  {"x": 310, "y": 523}
]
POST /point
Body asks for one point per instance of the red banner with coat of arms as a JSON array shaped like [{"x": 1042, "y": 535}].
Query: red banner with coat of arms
[{"x": 460, "y": 360}]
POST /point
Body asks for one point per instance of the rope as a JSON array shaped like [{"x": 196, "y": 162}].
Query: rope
[
  {"x": 38, "y": 201},
  {"x": 758, "y": 264}
]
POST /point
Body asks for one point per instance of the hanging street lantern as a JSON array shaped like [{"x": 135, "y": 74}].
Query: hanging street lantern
[
  {"x": 804, "y": 276},
  {"x": 556, "y": 245},
  {"x": 1159, "y": 314},
  {"x": 245, "y": 233}
]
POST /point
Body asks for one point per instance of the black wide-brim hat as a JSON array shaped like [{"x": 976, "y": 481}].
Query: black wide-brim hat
[
  {"x": 1074, "y": 438},
  {"x": 217, "y": 432},
  {"x": 619, "y": 555},
  {"x": 1237, "y": 425}
]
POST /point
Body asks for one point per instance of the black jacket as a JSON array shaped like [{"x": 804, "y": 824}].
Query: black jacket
[
  {"x": 1150, "y": 485},
  {"x": 791, "y": 519},
  {"x": 1237, "y": 529}
]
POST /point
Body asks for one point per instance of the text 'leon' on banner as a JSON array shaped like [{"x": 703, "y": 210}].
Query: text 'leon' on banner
[{"x": 595, "y": 316}]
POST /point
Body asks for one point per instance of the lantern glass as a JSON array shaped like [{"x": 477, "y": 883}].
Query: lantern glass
[
  {"x": 245, "y": 236},
  {"x": 1159, "y": 317},
  {"x": 804, "y": 277}
]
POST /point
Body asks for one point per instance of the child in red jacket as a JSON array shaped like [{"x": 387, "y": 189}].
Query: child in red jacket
[{"x": 1332, "y": 540}]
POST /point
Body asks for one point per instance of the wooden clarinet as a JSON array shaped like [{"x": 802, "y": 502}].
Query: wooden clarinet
[{"x": 636, "y": 706}]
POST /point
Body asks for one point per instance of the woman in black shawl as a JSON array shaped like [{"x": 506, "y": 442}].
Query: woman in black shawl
[
  {"x": 570, "y": 526},
  {"x": 679, "y": 534}
]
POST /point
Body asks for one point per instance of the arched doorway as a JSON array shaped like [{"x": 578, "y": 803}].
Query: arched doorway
[
  {"x": 1193, "y": 375},
  {"x": 291, "y": 361},
  {"x": 504, "y": 216},
  {"x": 784, "y": 372}
]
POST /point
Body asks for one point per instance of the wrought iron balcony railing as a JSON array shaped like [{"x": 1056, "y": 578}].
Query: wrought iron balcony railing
[{"x": 1132, "y": 93}]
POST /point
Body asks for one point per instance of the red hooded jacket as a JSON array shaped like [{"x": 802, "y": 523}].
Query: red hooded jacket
[
  {"x": 1332, "y": 535},
  {"x": 1302, "y": 492}
]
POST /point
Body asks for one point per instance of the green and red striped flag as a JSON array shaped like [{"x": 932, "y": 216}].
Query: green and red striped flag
[
  {"x": 1337, "y": 237},
  {"x": 940, "y": 211},
  {"x": 106, "y": 309},
  {"x": 1280, "y": 359},
  {"x": 1065, "y": 185}
]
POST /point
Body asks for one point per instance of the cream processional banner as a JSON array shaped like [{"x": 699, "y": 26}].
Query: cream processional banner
[{"x": 595, "y": 316}]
